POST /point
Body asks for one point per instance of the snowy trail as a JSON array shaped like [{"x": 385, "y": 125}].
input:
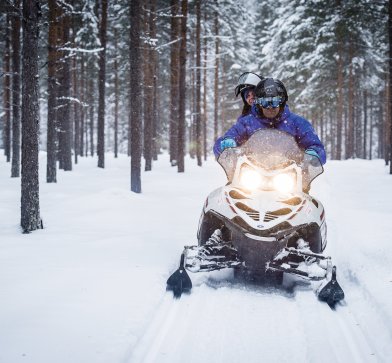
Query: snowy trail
[
  {"x": 230, "y": 324},
  {"x": 372, "y": 324}
]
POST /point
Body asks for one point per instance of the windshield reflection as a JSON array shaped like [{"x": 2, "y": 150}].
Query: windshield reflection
[{"x": 271, "y": 149}]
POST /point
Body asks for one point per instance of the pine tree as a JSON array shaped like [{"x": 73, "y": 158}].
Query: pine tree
[
  {"x": 390, "y": 80},
  {"x": 135, "y": 95},
  {"x": 64, "y": 92},
  {"x": 102, "y": 78},
  {"x": 182, "y": 87},
  {"x": 53, "y": 64},
  {"x": 7, "y": 87},
  {"x": 148, "y": 85},
  {"x": 30, "y": 211},
  {"x": 198, "y": 85},
  {"x": 174, "y": 81},
  {"x": 15, "y": 168}
]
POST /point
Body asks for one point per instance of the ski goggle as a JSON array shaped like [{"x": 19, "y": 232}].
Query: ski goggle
[{"x": 269, "y": 102}]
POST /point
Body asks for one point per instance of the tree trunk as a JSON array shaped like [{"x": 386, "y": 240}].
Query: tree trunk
[
  {"x": 205, "y": 115},
  {"x": 216, "y": 85},
  {"x": 64, "y": 108},
  {"x": 192, "y": 103},
  {"x": 77, "y": 78},
  {"x": 155, "y": 108},
  {"x": 30, "y": 211},
  {"x": 365, "y": 123},
  {"x": 222, "y": 114},
  {"x": 390, "y": 83},
  {"x": 135, "y": 95},
  {"x": 358, "y": 137},
  {"x": 15, "y": 168},
  {"x": 148, "y": 92},
  {"x": 198, "y": 84},
  {"x": 174, "y": 81},
  {"x": 329, "y": 132},
  {"x": 321, "y": 123},
  {"x": 82, "y": 107},
  {"x": 339, "y": 101},
  {"x": 182, "y": 89},
  {"x": 332, "y": 136},
  {"x": 76, "y": 99},
  {"x": 388, "y": 119},
  {"x": 51, "y": 142},
  {"x": 350, "y": 137},
  {"x": 91, "y": 114},
  {"x": 7, "y": 90},
  {"x": 76, "y": 109},
  {"x": 371, "y": 126},
  {"x": 115, "y": 95},
  {"x": 101, "y": 87}
]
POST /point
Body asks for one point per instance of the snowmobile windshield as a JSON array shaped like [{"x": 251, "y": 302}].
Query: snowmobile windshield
[{"x": 271, "y": 149}]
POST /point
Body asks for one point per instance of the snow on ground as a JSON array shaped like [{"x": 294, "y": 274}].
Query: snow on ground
[{"x": 90, "y": 287}]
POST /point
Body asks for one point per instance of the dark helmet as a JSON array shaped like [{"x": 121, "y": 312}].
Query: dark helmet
[
  {"x": 271, "y": 87},
  {"x": 247, "y": 81}
]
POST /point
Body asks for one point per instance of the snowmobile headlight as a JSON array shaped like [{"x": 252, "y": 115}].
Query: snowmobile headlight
[
  {"x": 284, "y": 182},
  {"x": 250, "y": 178}
]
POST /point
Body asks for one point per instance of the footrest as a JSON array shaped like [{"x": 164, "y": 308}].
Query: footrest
[
  {"x": 205, "y": 258},
  {"x": 305, "y": 264},
  {"x": 273, "y": 266}
]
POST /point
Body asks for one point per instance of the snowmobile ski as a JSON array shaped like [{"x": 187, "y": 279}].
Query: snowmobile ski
[
  {"x": 331, "y": 293},
  {"x": 179, "y": 281}
]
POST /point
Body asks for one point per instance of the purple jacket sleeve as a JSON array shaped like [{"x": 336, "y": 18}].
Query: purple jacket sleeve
[
  {"x": 308, "y": 139},
  {"x": 217, "y": 149},
  {"x": 237, "y": 132}
]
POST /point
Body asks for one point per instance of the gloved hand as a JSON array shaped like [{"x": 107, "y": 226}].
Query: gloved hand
[
  {"x": 311, "y": 152},
  {"x": 227, "y": 143}
]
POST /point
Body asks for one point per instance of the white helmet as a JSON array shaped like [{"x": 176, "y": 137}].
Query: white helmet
[{"x": 247, "y": 80}]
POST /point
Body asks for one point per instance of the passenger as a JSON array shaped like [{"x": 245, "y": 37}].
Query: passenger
[{"x": 247, "y": 83}]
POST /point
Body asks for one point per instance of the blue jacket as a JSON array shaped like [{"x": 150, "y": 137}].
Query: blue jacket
[{"x": 288, "y": 122}]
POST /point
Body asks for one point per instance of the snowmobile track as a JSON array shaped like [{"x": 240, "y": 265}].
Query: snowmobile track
[
  {"x": 222, "y": 323},
  {"x": 162, "y": 323}
]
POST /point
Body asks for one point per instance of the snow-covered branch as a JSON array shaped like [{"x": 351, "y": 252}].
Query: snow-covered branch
[{"x": 81, "y": 50}]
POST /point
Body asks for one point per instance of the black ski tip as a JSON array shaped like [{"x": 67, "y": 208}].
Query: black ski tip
[
  {"x": 331, "y": 293},
  {"x": 179, "y": 282}
]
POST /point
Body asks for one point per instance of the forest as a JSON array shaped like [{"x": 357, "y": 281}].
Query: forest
[{"x": 95, "y": 78}]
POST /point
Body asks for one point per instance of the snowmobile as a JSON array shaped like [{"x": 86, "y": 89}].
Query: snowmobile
[{"x": 263, "y": 222}]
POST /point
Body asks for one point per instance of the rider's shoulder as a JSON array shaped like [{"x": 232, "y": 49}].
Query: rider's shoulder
[
  {"x": 293, "y": 117},
  {"x": 245, "y": 119}
]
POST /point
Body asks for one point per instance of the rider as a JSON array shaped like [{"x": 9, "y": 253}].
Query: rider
[{"x": 271, "y": 111}]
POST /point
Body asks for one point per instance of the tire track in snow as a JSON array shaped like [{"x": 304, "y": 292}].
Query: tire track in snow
[
  {"x": 332, "y": 335},
  {"x": 231, "y": 322},
  {"x": 147, "y": 346},
  {"x": 370, "y": 317},
  {"x": 224, "y": 324}
]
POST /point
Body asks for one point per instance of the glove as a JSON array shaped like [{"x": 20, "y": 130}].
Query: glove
[
  {"x": 311, "y": 152},
  {"x": 227, "y": 143}
]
